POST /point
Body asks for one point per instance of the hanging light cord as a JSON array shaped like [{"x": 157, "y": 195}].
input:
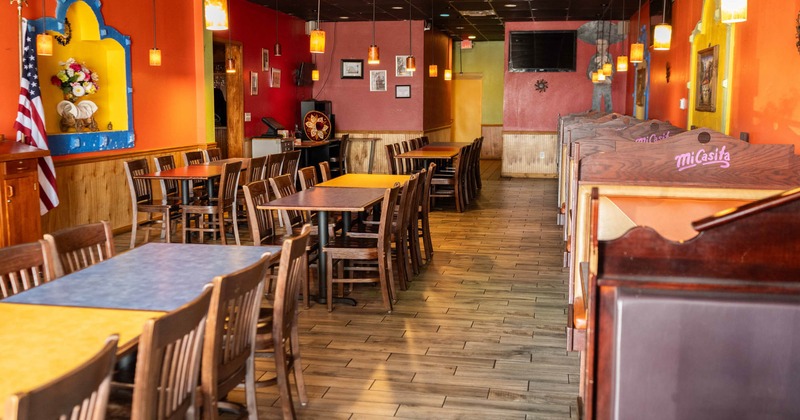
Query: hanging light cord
[
  {"x": 410, "y": 47},
  {"x": 154, "y": 26},
  {"x": 318, "y": 7},
  {"x": 373, "y": 22},
  {"x": 638, "y": 21},
  {"x": 44, "y": 18},
  {"x": 276, "y": 21},
  {"x": 664, "y": 12}
]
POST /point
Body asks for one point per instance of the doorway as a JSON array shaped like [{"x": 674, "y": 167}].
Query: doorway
[
  {"x": 467, "y": 107},
  {"x": 228, "y": 99}
]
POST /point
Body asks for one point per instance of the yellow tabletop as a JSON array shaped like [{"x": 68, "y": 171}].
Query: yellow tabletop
[
  {"x": 365, "y": 181},
  {"x": 39, "y": 343}
]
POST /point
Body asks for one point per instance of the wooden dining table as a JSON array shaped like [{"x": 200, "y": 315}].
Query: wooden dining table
[
  {"x": 365, "y": 181},
  {"x": 324, "y": 200},
  {"x": 205, "y": 171}
]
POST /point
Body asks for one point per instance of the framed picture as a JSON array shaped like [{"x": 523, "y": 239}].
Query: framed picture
[
  {"x": 706, "y": 92},
  {"x": 400, "y": 66},
  {"x": 264, "y": 59},
  {"x": 402, "y": 91},
  {"x": 352, "y": 69},
  {"x": 275, "y": 78},
  {"x": 253, "y": 83},
  {"x": 377, "y": 80}
]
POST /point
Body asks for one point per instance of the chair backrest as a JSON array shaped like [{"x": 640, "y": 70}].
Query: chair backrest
[
  {"x": 424, "y": 140},
  {"x": 283, "y": 186},
  {"x": 228, "y": 184},
  {"x": 141, "y": 190},
  {"x": 79, "y": 394},
  {"x": 344, "y": 149},
  {"x": 255, "y": 171},
  {"x": 168, "y": 364},
  {"x": 213, "y": 155},
  {"x": 24, "y": 266},
  {"x": 291, "y": 275},
  {"x": 195, "y": 157},
  {"x": 425, "y": 205},
  {"x": 385, "y": 226},
  {"x": 260, "y": 221},
  {"x": 325, "y": 171},
  {"x": 408, "y": 204},
  {"x": 273, "y": 165},
  {"x": 390, "y": 159},
  {"x": 76, "y": 248},
  {"x": 400, "y": 164},
  {"x": 169, "y": 187},
  {"x": 290, "y": 163},
  {"x": 308, "y": 177},
  {"x": 230, "y": 333}
]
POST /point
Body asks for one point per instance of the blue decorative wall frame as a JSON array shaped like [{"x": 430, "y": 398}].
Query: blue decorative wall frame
[{"x": 83, "y": 142}]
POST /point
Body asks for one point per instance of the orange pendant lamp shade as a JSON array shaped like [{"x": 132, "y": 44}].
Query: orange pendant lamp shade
[
  {"x": 595, "y": 77},
  {"x": 44, "y": 44},
  {"x": 733, "y": 11},
  {"x": 448, "y": 74},
  {"x": 662, "y": 37},
  {"x": 622, "y": 63},
  {"x": 433, "y": 70},
  {"x": 411, "y": 63},
  {"x": 230, "y": 65},
  {"x": 315, "y": 75},
  {"x": 216, "y": 15},
  {"x": 155, "y": 57},
  {"x": 374, "y": 55},
  {"x": 607, "y": 69},
  {"x": 317, "y": 42},
  {"x": 637, "y": 53}
]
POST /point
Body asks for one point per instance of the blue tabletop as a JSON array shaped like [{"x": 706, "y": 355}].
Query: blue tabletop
[{"x": 154, "y": 276}]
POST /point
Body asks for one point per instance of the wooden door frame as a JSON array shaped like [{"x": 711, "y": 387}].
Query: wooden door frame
[{"x": 234, "y": 98}]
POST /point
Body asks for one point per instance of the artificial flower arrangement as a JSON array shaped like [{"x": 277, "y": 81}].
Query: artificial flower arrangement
[{"x": 75, "y": 80}]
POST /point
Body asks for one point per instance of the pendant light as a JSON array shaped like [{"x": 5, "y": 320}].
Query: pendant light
[
  {"x": 374, "y": 54},
  {"x": 155, "y": 53},
  {"x": 44, "y": 41},
  {"x": 411, "y": 63},
  {"x": 277, "y": 48},
  {"x": 317, "y": 37},
  {"x": 216, "y": 15},
  {"x": 637, "y": 48},
  {"x": 608, "y": 68},
  {"x": 622, "y": 60},
  {"x": 230, "y": 63},
  {"x": 733, "y": 11},
  {"x": 448, "y": 74},
  {"x": 662, "y": 34}
]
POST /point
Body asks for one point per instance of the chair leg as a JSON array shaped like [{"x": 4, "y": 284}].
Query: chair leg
[
  {"x": 134, "y": 226},
  {"x": 330, "y": 282},
  {"x": 250, "y": 389},
  {"x": 183, "y": 225},
  {"x": 297, "y": 365},
  {"x": 235, "y": 225},
  {"x": 383, "y": 277},
  {"x": 426, "y": 237},
  {"x": 282, "y": 376},
  {"x": 390, "y": 276},
  {"x": 165, "y": 225}
]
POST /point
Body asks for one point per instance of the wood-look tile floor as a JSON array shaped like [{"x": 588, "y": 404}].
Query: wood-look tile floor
[{"x": 480, "y": 334}]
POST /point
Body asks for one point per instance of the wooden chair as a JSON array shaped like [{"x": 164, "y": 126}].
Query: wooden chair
[
  {"x": 424, "y": 213},
  {"x": 283, "y": 186},
  {"x": 213, "y": 155},
  {"x": 451, "y": 186},
  {"x": 339, "y": 161},
  {"x": 308, "y": 177},
  {"x": 78, "y": 247},
  {"x": 196, "y": 157},
  {"x": 142, "y": 201},
  {"x": 391, "y": 160},
  {"x": 169, "y": 187},
  {"x": 229, "y": 344},
  {"x": 24, "y": 266},
  {"x": 476, "y": 165},
  {"x": 347, "y": 248},
  {"x": 278, "y": 338},
  {"x": 215, "y": 209},
  {"x": 168, "y": 363},
  {"x": 273, "y": 166},
  {"x": 290, "y": 164},
  {"x": 325, "y": 171},
  {"x": 254, "y": 172},
  {"x": 79, "y": 394},
  {"x": 403, "y": 165}
]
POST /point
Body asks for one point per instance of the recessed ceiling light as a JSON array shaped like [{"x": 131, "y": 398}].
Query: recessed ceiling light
[
  {"x": 344, "y": 17},
  {"x": 511, "y": 5},
  {"x": 444, "y": 14},
  {"x": 459, "y": 27},
  {"x": 397, "y": 7},
  {"x": 472, "y": 37}
]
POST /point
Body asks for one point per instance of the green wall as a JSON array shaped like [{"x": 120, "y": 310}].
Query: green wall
[
  {"x": 485, "y": 58},
  {"x": 208, "y": 58}
]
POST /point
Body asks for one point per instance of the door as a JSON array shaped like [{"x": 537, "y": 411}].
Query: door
[
  {"x": 467, "y": 106},
  {"x": 235, "y": 102}
]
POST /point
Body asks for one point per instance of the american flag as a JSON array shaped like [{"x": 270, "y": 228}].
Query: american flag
[{"x": 30, "y": 120}]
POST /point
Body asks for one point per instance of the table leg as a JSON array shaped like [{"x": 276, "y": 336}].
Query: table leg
[{"x": 185, "y": 188}]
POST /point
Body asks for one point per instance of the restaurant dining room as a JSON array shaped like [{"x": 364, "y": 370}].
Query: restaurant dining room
[{"x": 373, "y": 209}]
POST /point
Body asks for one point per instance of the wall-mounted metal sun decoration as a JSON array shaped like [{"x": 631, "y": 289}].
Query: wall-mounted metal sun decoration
[{"x": 541, "y": 85}]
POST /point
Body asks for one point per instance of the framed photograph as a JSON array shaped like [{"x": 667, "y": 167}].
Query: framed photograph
[
  {"x": 400, "y": 66},
  {"x": 264, "y": 59},
  {"x": 352, "y": 69},
  {"x": 253, "y": 83},
  {"x": 377, "y": 80},
  {"x": 275, "y": 78},
  {"x": 706, "y": 92},
  {"x": 402, "y": 91}
]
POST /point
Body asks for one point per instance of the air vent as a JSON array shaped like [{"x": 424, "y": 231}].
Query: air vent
[{"x": 477, "y": 13}]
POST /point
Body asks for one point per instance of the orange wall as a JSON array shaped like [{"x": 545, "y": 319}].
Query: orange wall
[
  {"x": 437, "y": 105},
  {"x": 765, "y": 85}
]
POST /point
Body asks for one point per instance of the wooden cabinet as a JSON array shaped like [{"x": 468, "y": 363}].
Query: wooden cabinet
[{"x": 20, "y": 221}]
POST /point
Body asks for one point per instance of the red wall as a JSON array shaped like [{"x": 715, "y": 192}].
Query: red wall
[
  {"x": 525, "y": 109},
  {"x": 356, "y": 108},
  {"x": 254, "y": 27}
]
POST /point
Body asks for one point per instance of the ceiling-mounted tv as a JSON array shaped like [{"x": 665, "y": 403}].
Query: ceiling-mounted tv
[{"x": 545, "y": 51}]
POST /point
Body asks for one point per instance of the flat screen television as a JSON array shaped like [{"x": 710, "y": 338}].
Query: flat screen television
[
  {"x": 542, "y": 51},
  {"x": 302, "y": 76}
]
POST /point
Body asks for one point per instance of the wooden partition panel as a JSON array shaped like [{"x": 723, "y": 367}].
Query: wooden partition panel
[{"x": 359, "y": 151}]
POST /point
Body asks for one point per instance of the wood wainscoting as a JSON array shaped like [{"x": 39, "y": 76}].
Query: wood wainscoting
[
  {"x": 359, "y": 150},
  {"x": 440, "y": 134},
  {"x": 529, "y": 154},
  {"x": 492, "y": 141},
  {"x": 95, "y": 189}
]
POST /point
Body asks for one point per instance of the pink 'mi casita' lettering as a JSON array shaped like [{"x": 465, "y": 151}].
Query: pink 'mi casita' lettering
[
  {"x": 718, "y": 156},
  {"x": 652, "y": 138}
]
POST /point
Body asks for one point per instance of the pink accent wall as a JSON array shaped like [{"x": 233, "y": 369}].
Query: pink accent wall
[
  {"x": 355, "y": 107},
  {"x": 525, "y": 109},
  {"x": 254, "y": 27}
]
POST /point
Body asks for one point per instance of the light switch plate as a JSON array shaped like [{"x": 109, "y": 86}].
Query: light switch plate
[{"x": 246, "y": 116}]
